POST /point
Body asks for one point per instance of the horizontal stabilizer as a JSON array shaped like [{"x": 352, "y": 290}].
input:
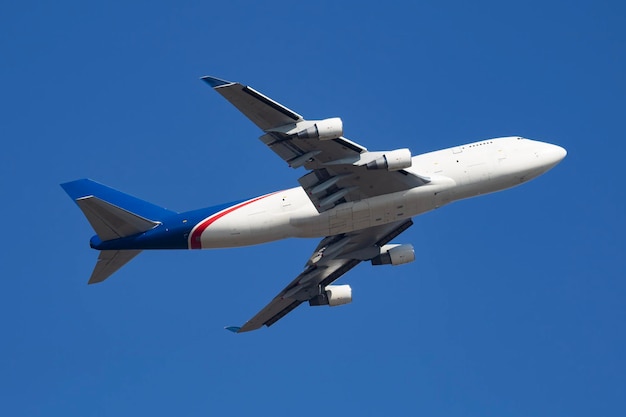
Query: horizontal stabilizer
[
  {"x": 110, "y": 221},
  {"x": 110, "y": 261}
]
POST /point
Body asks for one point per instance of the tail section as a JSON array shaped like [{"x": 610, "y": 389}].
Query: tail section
[{"x": 113, "y": 215}]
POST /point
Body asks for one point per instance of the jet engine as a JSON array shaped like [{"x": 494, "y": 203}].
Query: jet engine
[
  {"x": 338, "y": 295},
  {"x": 323, "y": 129},
  {"x": 392, "y": 160},
  {"x": 395, "y": 255},
  {"x": 333, "y": 295}
]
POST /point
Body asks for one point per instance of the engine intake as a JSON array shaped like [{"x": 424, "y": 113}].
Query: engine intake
[
  {"x": 392, "y": 160},
  {"x": 323, "y": 129},
  {"x": 395, "y": 255}
]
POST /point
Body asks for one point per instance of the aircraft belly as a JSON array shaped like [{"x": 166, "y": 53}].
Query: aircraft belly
[
  {"x": 357, "y": 215},
  {"x": 290, "y": 213}
]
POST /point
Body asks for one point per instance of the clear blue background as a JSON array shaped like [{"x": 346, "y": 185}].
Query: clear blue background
[{"x": 515, "y": 306}]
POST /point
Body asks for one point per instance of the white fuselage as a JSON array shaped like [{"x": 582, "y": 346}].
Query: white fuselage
[{"x": 455, "y": 173}]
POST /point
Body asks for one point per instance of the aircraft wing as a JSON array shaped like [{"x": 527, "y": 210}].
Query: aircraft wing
[
  {"x": 333, "y": 257},
  {"x": 340, "y": 170}
]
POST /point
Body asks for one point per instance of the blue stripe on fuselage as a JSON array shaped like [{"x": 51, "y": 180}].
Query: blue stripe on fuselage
[{"x": 172, "y": 233}]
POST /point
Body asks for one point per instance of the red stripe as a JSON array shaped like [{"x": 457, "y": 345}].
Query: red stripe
[{"x": 195, "y": 241}]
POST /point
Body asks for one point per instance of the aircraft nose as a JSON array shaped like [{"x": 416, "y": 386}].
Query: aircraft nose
[{"x": 552, "y": 154}]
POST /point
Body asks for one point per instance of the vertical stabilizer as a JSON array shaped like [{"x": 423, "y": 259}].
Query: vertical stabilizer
[{"x": 85, "y": 187}]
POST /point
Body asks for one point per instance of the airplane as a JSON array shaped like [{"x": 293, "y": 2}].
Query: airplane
[{"x": 357, "y": 201}]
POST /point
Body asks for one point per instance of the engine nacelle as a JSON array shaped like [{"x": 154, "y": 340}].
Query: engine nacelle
[
  {"x": 323, "y": 129},
  {"x": 392, "y": 160},
  {"x": 395, "y": 255},
  {"x": 338, "y": 295}
]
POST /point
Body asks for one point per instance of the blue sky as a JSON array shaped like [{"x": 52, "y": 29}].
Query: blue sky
[{"x": 514, "y": 307}]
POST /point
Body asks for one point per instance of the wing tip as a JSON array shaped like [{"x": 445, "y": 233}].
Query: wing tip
[
  {"x": 214, "y": 81},
  {"x": 234, "y": 329}
]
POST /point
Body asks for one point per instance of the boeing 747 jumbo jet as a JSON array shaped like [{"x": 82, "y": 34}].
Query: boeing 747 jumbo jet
[{"x": 357, "y": 201}]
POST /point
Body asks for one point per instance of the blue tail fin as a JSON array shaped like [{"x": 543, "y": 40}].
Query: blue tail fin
[
  {"x": 85, "y": 188},
  {"x": 113, "y": 215}
]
